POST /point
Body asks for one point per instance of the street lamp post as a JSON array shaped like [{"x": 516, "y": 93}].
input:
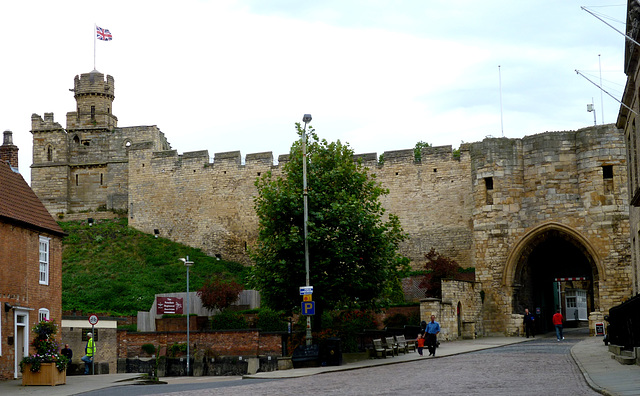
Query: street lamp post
[
  {"x": 187, "y": 264},
  {"x": 306, "y": 119}
]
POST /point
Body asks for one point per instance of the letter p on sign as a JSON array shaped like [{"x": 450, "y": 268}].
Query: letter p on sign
[{"x": 308, "y": 308}]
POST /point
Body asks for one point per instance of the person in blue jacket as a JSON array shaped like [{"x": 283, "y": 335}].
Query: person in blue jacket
[{"x": 432, "y": 330}]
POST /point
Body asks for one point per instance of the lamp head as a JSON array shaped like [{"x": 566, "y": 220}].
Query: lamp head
[
  {"x": 186, "y": 262},
  {"x": 306, "y": 118}
]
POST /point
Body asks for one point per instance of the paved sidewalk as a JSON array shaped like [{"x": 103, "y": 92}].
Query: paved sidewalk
[{"x": 602, "y": 373}]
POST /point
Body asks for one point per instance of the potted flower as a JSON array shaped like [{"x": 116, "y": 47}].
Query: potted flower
[{"x": 47, "y": 366}]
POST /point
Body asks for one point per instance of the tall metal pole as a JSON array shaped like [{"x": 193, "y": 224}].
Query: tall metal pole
[
  {"x": 187, "y": 264},
  {"x": 306, "y": 119},
  {"x": 601, "y": 100},
  {"x": 188, "y": 341},
  {"x": 500, "y": 85}
]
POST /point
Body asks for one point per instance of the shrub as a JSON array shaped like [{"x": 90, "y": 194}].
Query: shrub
[
  {"x": 131, "y": 328},
  {"x": 176, "y": 349},
  {"x": 269, "y": 320},
  {"x": 219, "y": 293},
  {"x": 397, "y": 320},
  {"x": 228, "y": 320},
  {"x": 149, "y": 349},
  {"x": 350, "y": 324}
]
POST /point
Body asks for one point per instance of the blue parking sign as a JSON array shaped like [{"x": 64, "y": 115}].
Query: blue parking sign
[{"x": 308, "y": 308}]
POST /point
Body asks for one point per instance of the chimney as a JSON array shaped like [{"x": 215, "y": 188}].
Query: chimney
[{"x": 8, "y": 151}]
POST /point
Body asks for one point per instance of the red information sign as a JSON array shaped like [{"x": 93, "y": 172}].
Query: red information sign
[{"x": 169, "y": 305}]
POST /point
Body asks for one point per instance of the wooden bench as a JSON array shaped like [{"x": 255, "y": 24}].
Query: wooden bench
[
  {"x": 391, "y": 343},
  {"x": 404, "y": 346},
  {"x": 381, "y": 350}
]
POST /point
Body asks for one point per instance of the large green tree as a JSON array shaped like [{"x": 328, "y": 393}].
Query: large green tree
[{"x": 353, "y": 243}]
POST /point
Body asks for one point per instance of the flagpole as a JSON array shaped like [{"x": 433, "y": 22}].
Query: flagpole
[{"x": 94, "y": 46}]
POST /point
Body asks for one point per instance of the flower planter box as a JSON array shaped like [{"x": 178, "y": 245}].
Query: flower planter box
[{"x": 48, "y": 375}]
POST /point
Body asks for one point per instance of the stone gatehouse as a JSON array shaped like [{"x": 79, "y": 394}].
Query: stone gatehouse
[{"x": 543, "y": 219}]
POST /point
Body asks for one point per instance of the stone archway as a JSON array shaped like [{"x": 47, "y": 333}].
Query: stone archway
[{"x": 548, "y": 264}]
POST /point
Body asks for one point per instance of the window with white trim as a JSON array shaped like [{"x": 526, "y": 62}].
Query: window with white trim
[
  {"x": 43, "y": 314},
  {"x": 44, "y": 260}
]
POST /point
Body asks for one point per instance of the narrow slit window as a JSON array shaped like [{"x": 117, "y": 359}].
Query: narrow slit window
[
  {"x": 607, "y": 178},
  {"x": 488, "y": 183},
  {"x": 76, "y": 180},
  {"x": 93, "y": 113}
]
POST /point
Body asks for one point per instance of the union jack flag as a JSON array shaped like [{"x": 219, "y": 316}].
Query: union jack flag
[{"x": 103, "y": 34}]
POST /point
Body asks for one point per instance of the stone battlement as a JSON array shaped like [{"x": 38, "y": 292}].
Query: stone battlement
[{"x": 93, "y": 83}]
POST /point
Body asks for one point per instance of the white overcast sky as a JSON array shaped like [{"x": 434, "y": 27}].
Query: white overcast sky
[{"x": 378, "y": 74}]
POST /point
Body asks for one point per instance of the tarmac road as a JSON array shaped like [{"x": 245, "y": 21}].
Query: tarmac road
[{"x": 540, "y": 367}]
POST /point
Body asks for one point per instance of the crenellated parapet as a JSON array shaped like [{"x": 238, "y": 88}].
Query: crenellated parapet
[{"x": 46, "y": 125}]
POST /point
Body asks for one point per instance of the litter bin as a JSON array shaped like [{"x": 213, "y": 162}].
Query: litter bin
[
  {"x": 331, "y": 352},
  {"x": 306, "y": 356}
]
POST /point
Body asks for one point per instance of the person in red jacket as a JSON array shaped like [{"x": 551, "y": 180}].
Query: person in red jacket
[
  {"x": 557, "y": 322},
  {"x": 420, "y": 342}
]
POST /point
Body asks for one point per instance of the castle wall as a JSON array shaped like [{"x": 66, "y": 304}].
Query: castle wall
[
  {"x": 210, "y": 206},
  {"x": 487, "y": 208},
  {"x": 195, "y": 202},
  {"x": 432, "y": 200}
]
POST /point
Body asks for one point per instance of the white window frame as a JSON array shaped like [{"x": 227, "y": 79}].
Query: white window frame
[
  {"x": 43, "y": 313},
  {"x": 44, "y": 260}
]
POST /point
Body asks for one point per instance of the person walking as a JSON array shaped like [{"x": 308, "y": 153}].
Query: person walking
[
  {"x": 432, "y": 330},
  {"x": 420, "y": 342},
  {"x": 89, "y": 351},
  {"x": 557, "y": 322},
  {"x": 529, "y": 321}
]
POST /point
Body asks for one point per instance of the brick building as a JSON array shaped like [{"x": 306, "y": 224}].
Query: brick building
[{"x": 30, "y": 263}]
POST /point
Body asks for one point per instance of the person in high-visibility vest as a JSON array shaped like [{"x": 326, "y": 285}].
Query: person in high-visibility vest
[{"x": 89, "y": 350}]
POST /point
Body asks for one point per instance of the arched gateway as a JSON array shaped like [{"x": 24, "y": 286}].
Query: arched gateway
[{"x": 554, "y": 267}]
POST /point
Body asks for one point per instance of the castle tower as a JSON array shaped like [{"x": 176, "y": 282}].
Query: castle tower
[
  {"x": 84, "y": 167},
  {"x": 94, "y": 102},
  {"x": 9, "y": 151},
  {"x": 49, "y": 168}
]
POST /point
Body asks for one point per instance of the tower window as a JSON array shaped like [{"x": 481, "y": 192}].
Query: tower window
[
  {"x": 488, "y": 183},
  {"x": 49, "y": 154},
  {"x": 607, "y": 176},
  {"x": 93, "y": 113},
  {"x": 76, "y": 180},
  {"x": 101, "y": 178}
]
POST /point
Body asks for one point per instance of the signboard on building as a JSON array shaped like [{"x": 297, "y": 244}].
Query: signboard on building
[{"x": 169, "y": 305}]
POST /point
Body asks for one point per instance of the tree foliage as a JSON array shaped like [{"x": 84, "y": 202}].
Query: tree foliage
[
  {"x": 417, "y": 150},
  {"x": 438, "y": 267},
  {"x": 219, "y": 293},
  {"x": 352, "y": 250}
]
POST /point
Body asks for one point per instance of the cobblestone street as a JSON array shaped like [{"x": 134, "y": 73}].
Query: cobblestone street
[{"x": 541, "y": 367}]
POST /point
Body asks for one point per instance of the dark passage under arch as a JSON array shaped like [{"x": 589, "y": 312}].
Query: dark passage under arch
[{"x": 552, "y": 270}]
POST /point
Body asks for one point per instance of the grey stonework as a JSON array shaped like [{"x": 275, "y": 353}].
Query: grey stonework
[{"x": 521, "y": 211}]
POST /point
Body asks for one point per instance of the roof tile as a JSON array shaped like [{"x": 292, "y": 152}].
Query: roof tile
[{"x": 19, "y": 202}]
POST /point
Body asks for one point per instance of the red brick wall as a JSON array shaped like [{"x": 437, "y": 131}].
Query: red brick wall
[
  {"x": 19, "y": 286},
  {"x": 223, "y": 343}
]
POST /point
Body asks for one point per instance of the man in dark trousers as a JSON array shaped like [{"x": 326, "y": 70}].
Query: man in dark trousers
[
  {"x": 529, "y": 321},
  {"x": 432, "y": 330}
]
